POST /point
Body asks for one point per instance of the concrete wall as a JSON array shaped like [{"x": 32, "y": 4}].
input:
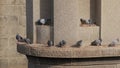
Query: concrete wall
[
  {"x": 110, "y": 22},
  {"x": 12, "y": 21}
]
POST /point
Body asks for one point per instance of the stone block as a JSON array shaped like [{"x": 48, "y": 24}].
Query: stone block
[
  {"x": 17, "y": 63},
  {"x": 3, "y": 20},
  {"x": 4, "y": 63},
  {"x": 43, "y": 34},
  {"x": 22, "y": 21},
  {"x": 6, "y": 2},
  {"x": 14, "y": 10},
  {"x": 3, "y": 44},
  {"x": 12, "y": 2},
  {"x": 3, "y": 10},
  {"x": 20, "y": 10},
  {"x": 88, "y": 34},
  {"x": 19, "y": 2},
  {"x": 22, "y": 31},
  {"x": 66, "y": 21}
]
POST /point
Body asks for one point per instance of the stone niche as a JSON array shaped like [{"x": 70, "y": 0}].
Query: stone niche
[{"x": 66, "y": 21}]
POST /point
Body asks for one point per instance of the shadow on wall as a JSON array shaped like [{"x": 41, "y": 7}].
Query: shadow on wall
[
  {"x": 29, "y": 17},
  {"x": 46, "y": 11},
  {"x": 95, "y": 13}
]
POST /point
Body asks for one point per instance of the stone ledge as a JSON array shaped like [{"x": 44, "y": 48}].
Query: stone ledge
[{"x": 40, "y": 50}]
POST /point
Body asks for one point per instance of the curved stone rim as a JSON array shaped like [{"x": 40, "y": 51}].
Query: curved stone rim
[{"x": 40, "y": 50}]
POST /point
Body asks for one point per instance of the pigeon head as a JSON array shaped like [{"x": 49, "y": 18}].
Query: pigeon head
[{"x": 50, "y": 43}]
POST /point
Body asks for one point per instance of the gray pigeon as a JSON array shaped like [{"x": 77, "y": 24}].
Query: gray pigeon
[
  {"x": 62, "y": 43},
  {"x": 79, "y": 43},
  {"x": 50, "y": 43},
  {"x": 19, "y": 38},
  {"x": 114, "y": 42},
  {"x": 83, "y": 21},
  {"x": 96, "y": 42},
  {"x": 26, "y": 40},
  {"x": 91, "y": 22}
]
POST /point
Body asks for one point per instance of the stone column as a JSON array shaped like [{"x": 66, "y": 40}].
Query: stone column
[
  {"x": 12, "y": 21},
  {"x": 36, "y": 17},
  {"x": 110, "y": 20},
  {"x": 66, "y": 21}
]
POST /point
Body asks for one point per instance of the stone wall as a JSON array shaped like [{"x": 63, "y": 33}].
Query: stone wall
[{"x": 12, "y": 21}]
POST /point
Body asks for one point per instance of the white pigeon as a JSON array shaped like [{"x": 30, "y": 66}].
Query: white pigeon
[
  {"x": 114, "y": 42},
  {"x": 43, "y": 21}
]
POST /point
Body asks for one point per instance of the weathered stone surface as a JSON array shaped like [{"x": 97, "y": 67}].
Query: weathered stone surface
[
  {"x": 4, "y": 63},
  {"x": 43, "y": 34},
  {"x": 68, "y": 52},
  {"x": 88, "y": 34},
  {"x": 4, "y": 44},
  {"x": 12, "y": 2},
  {"x": 14, "y": 10},
  {"x": 66, "y": 21},
  {"x": 22, "y": 21},
  {"x": 20, "y": 10},
  {"x": 110, "y": 20},
  {"x": 84, "y": 9},
  {"x": 17, "y": 63},
  {"x": 12, "y": 17}
]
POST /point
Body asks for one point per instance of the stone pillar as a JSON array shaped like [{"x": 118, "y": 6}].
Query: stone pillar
[
  {"x": 84, "y": 10},
  {"x": 12, "y": 21},
  {"x": 110, "y": 20},
  {"x": 89, "y": 9},
  {"x": 36, "y": 17},
  {"x": 66, "y": 21}
]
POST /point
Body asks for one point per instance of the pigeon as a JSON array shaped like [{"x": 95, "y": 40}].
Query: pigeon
[
  {"x": 114, "y": 42},
  {"x": 19, "y": 38},
  {"x": 62, "y": 43},
  {"x": 91, "y": 22},
  {"x": 43, "y": 21},
  {"x": 79, "y": 43},
  {"x": 26, "y": 40},
  {"x": 96, "y": 42},
  {"x": 83, "y": 21},
  {"x": 50, "y": 43}
]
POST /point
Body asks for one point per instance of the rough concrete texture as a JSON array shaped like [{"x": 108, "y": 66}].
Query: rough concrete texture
[
  {"x": 66, "y": 21},
  {"x": 68, "y": 52},
  {"x": 13, "y": 21},
  {"x": 110, "y": 20},
  {"x": 43, "y": 34}
]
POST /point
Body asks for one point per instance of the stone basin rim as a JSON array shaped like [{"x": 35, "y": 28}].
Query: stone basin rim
[{"x": 67, "y": 52}]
